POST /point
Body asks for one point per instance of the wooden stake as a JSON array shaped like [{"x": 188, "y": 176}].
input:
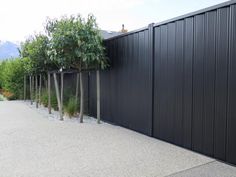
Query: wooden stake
[
  {"x": 36, "y": 91},
  {"x": 77, "y": 88},
  {"x": 49, "y": 94},
  {"x": 24, "y": 87},
  {"x": 31, "y": 99},
  {"x": 40, "y": 87},
  {"x": 58, "y": 95}
]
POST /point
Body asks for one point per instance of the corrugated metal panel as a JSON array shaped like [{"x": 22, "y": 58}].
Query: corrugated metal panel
[
  {"x": 221, "y": 88},
  {"x": 209, "y": 83},
  {"x": 126, "y": 89},
  {"x": 157, "y": 129},
  {"x": 190, "y": 83},
  {"x": 176, "y": 81},
  {"x": 179, "y": 79},
  {"x": 231, "y": 126},
  {"x": 187, "y": 79}
]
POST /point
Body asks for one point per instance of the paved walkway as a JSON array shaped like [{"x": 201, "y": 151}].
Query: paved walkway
[{"x": 34, "y": 145}]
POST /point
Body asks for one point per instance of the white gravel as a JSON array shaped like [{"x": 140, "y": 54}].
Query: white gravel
[{"x": 33, "y": 144}]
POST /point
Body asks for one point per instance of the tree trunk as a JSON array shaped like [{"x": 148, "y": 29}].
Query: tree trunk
[
  {"x": 31, "y": 99},
  {"x": 40, "y": 87},
  {"x": 24, "y": 87},
  {"x": 36, "y": 91},
  {"x": 81, "y": 98},
  {"x": 98, "y": 97},
  {"x": 62, "y": 91},
  {"x": 58, "y": 95},
  {"x": 77, "y": 88},
  {"x": 49, "y": 94},
  {"x": 45, "y": 82}
]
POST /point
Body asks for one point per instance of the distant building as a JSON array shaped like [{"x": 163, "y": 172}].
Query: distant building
[{"x": 108, "y": 34}]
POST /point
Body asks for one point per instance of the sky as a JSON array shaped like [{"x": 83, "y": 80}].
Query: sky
[{"x": 21, "y": 18}]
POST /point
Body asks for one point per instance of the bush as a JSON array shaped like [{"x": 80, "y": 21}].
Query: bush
[
  {"x": 8, "y": 95},
  {"x": 1, "y": 98},
  {"x": 54, "y": 101},
  {"x": 71, "y": 108},
  {"x": 11, "y": 78},
  {"x": 44, "y": 98}
]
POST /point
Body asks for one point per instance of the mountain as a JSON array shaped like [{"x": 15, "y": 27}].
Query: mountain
[{"x": 8, "y": 50}]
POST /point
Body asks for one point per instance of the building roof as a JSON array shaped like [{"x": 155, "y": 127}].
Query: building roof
[{"x": 108, "y": 34}]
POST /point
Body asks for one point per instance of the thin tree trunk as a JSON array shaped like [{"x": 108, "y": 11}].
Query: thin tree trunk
[
  {"x": 36, "y": 91},
  {"x": 40, "y": 87},
  {"x": 98, "y": 97},
  {"x": 58, "y": 95},
  {"x": 31, "y": 99},
  {"x": 24, "y": 87},
  {"x": 49, "y": 94},
  {"x": 62, "y": 92},
  {"x": 81, "y": 98},
  {"x": 77, "y": 88},
  {"x": 45, "y": 82}
]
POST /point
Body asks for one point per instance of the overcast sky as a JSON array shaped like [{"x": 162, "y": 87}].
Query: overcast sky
[{"x": 20, "y": 18}]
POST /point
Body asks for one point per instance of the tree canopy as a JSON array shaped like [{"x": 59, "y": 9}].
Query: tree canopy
[
  {"x": 76, "y": 43},
  {"x": 35, "y": 49}
]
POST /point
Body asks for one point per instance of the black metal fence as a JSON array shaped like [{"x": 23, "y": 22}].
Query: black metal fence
[{"x": 176, "y": 81}]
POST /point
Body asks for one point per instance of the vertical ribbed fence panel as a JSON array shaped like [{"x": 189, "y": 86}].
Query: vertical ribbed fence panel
[
  {"x": 126, "y": 88},
  {"x": 176, "y": 81},
  {"x": 194, "y": 81},
  {"x": 231, "y": 123}
]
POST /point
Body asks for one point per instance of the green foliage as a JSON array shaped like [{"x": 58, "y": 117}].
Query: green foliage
[
  {"x": 12, "y": 77},
  {"x": 44, "y": 98},
  {"x": 71, "y": 42},
  {"x": 2, "y": 66},
  {"x": 2, "y": 98},
  {"x": 63, "y": 40},
  {"x": 34, "y": 50},
  {"x": 76, "y": 43},
  {"x": 54, "y": 101},
  {"x": 71, "y": 108},
  {"x": 27, "y": 65}
]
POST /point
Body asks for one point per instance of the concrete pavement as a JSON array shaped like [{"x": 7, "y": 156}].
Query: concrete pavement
[{"x": 34, "y": 145}]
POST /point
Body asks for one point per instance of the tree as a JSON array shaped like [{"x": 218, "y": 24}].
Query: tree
[
  {"x": 76, "y": 43},
  {"x": 28, "y": 69},
  {"x": 61, "y": 34},
  {"x": 93, "y": 53},
  {"x": 28, "y": 64},
  {"x": 12, "y": 74},
  {"x": 35, "y": 48}
]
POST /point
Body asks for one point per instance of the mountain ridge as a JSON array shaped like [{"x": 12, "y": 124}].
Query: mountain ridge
[{"x": 8, "y": 50}]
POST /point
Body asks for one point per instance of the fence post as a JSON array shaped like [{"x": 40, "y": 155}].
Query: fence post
[{"x": 151, "y": 55}]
